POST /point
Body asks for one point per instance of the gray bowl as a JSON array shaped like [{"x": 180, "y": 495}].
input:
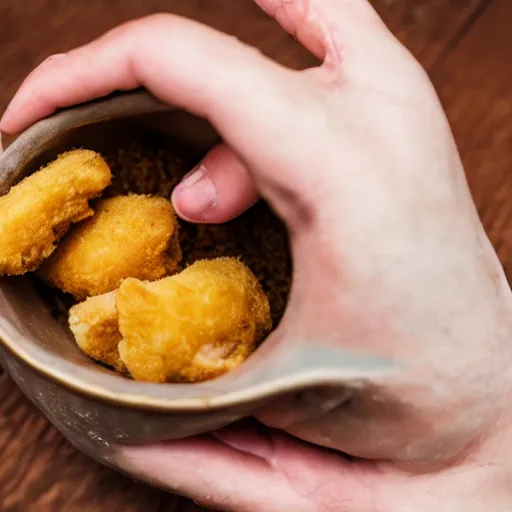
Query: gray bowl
[{"x": 94, "y": 407}]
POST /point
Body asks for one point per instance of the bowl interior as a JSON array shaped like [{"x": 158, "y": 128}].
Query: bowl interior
[{"x": 35, "y": 316}]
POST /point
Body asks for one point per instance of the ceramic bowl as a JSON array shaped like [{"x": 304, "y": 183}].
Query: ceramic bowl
[{"x": 92, "y": 406}]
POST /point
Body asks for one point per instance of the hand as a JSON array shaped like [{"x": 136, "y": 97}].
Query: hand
[{"x": 390, "y": 258}]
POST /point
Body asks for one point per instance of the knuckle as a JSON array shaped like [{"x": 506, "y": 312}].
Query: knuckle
[
  {"x": 142, "y": 26},
  {"x": 159, "y": 20},
  {"x": 159, "y": 23},
  {"x": 54, "y": 57},
  {"x": 50, "y": 61}
]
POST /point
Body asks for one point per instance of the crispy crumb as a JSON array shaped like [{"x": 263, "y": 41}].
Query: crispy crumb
[
  {"x": 39, "y": 210},
  {"x": 95, "y": 327},
  {"x": 193, "y": 326},
  {"x": 129, "y": 236},
  {"x": 154, "y": 164}
]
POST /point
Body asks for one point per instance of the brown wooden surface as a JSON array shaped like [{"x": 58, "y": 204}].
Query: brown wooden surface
[{"x": 466, "y": 45}]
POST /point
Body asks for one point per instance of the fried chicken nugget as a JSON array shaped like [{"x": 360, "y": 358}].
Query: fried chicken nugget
[
  {"x": 96, "y": 329},
  {"x": 193, "y": 326},
  {"x": 129, "y": 236},
  {"x": 38, "y": 211}
]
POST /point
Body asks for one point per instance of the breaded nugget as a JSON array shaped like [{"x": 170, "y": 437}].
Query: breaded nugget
[
  {"x": 39, "y": 210},
  {"x": 192, "y": 326},
  {"x": 129, "y": 236},
  {"x": 96, "y": 330}
]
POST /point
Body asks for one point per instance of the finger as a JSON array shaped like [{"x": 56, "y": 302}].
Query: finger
[
  {"x": 251, "y": 100},
  {"x": 214, "y": 475},
  {"x": 217, "y": 190},
  {"x": 248, "y": 467},
  {"x": 254, "y": 103},
  {"x": 324, "y": 27},
  {"x": 184, "y": 63},
  {"x": 356, "y": 46},
  {"x": 163, "y": 47}
]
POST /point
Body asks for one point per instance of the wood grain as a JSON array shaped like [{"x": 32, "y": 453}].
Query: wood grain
[
  {"x": 40, "y": 471},
  {"x": 474, "y": 80},
  {"x": 465, "y": 45}
]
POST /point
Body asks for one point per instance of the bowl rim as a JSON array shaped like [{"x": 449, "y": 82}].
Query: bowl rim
[
  {"x": 151, "y": 397},
  {"x": 301, "y": 365}
]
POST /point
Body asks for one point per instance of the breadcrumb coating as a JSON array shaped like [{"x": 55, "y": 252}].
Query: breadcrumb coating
[
  {"x": 193, "y": 326},
  {"x": 129, "y": 236},
  {"x": 39, "y": 210},
  {"x": 150, "y": 163},
  {"x": 95, "y": 327}
]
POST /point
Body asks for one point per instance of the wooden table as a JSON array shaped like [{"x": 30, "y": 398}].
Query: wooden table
[{"x": 466, "y": 46}]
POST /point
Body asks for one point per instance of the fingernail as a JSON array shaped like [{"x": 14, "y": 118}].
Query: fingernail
[{"x": 196, "y": 196}]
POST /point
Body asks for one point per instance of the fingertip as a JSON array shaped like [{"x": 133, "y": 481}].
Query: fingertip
[
  {"x": 217, "y": 190},
  {"x": 6, "y": 125},
  {"x": 21, "y": 108},
  {"x": 13, "y": 121},
  {"x": 22, "y": 112}
]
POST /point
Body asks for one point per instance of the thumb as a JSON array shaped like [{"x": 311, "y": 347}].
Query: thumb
[
  {"x": 249, "y": 467},
  {"x": 217, "y": 190}
]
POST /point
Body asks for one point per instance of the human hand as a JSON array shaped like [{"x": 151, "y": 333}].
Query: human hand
[{"x": 390, "y": 258}]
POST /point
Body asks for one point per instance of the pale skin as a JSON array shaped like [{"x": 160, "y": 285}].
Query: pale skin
[{"x": 357, "y": 157}]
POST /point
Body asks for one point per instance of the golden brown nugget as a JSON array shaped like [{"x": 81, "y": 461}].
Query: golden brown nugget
[
  {"x": 192, "y": 326},
  {"x": 40, "y": 209},
  {"x": 129, "y": 236},
  {"x": 96, "y": 330}
]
